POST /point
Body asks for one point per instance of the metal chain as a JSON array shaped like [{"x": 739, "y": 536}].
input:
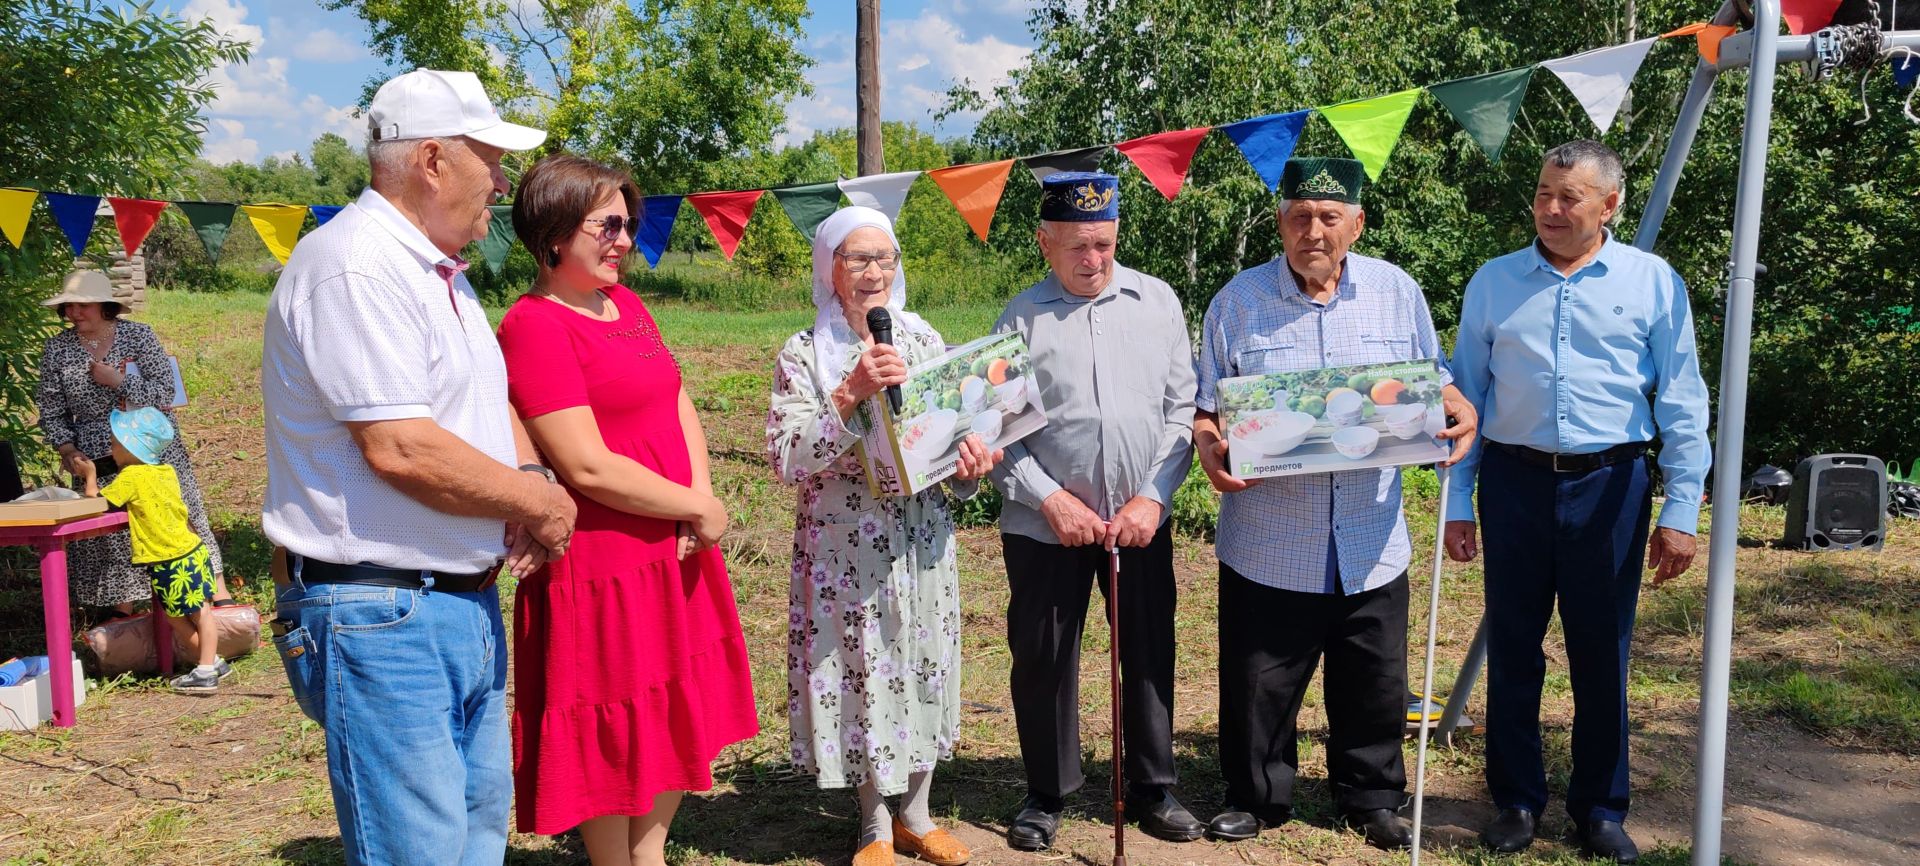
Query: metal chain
[{"x": 1851, "y": 46}]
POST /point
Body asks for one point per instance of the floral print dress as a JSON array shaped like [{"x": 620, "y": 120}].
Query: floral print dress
[
  {"x": 74, "y": 408},
  {"x": 873, "y": 645}
]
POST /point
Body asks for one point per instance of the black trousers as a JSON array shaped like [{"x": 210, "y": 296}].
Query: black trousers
[
  {"x": 1045, "y": 616},
  {"x": 1271, "y": 640}
]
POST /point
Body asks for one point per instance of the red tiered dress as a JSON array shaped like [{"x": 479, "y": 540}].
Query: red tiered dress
[{"x": 630, "y": 671}]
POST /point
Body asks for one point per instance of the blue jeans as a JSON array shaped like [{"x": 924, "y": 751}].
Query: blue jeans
[
  {"x": 410, "y": 686},
  {"x": 1578, "y": 539}
]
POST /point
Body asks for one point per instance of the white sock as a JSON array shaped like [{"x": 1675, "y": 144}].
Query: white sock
[
  {"x": 205, "y": 669},
  {"x": 913, "y": 804},
  {"x": 875, "y": 821}
]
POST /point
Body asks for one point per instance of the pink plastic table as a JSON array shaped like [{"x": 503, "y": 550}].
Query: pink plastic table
[{"x": 51, "y": 540}]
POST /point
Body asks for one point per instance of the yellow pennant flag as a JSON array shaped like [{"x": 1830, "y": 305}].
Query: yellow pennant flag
[
  {"x": 15, "y": 206},
  {"x": 278, "y": 225}
]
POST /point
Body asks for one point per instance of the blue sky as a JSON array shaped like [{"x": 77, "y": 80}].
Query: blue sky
[{"x": 309, "y": 65}]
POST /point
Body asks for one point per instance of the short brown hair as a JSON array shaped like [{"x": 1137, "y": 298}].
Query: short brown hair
[
  {"x": 555, "y": 196},
  {"x": 108, "y": 310}
]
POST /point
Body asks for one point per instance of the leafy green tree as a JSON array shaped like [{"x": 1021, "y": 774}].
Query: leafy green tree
[{"x": 99, "y": 99}]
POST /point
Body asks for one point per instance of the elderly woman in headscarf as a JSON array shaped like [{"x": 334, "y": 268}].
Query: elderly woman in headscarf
[{"x": 873, "y": 647}]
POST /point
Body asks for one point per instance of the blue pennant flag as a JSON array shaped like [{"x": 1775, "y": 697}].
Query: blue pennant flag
[
  {"x": 1906, "y": 69},
  {"x": 656, "y": 223},
  {"x": 75, "y": 215},
  {"x": 324, "y": 212},
  {"x": 1267, "y": 142}
]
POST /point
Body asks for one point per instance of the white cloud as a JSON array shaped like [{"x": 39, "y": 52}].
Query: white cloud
[
  {"x": 257, "y": 88},
  {"x": 324, "y": 46},
  {"x": 985, "y": 61},
  {"x": 343, "y": 120},
  {"x": 933, "y": 53},
  {"x": 914, "y": 62},
  {"x": 227, "y": 142},
  {"x": 228, "y": 16}
]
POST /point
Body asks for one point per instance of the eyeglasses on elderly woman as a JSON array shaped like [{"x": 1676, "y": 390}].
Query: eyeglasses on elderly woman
[{"x": 858, "y": 262}]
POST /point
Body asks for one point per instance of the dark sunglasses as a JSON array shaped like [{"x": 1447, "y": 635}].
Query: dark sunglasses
[{"x": 613, "y": 226}]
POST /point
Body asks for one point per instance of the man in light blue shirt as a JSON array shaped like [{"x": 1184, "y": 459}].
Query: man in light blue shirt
[
  {"x": 1314, "y": 566},
  {"x": 1579, "y": 353}
]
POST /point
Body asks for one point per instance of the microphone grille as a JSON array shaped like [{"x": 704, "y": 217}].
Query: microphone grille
[{"x": 879, "y": 319}]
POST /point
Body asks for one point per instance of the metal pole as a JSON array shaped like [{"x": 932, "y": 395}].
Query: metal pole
[
  {"x": 1113, "y": 679},
  {"x": 1463, "y": 683},
  {"x": 1692, "y": 109},
  {"x": 866, "y": 87},
  {"x": 1718, "y": 649},
  {"x": 1426, "y": 683}
]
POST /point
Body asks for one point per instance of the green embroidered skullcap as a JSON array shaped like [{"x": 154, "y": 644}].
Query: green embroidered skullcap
[{"x": 1323, "y": 177}]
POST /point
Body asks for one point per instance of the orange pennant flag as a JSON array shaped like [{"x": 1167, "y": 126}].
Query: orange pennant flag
[
  {"x": 1165, "y": 156},
  {"x": 975, "y": 191},
  {"x": 1710, "y": 37},
  {"x": 1688, "y": 30}
]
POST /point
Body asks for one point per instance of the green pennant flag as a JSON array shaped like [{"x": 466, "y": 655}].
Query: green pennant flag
[
  {"x": 499, "y": 240},
  {"x": 808, "y": 205},
  {"x": 1486, "y": 105},
  {"x": 210, "y": 220},
  {"x": 1371, "y": 127}
]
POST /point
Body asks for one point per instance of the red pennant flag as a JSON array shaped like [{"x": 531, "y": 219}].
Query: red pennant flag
[
  {"x": 1806, "y": 16},
  {"x": 975, "y": 191},
  {"x": 726, "y": 214},
  {"x": 1164, "y": 156},
  {"x": 135, "y": 217}
]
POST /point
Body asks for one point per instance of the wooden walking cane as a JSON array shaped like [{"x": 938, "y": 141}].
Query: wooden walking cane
[{"x": 1113, "y": 680}]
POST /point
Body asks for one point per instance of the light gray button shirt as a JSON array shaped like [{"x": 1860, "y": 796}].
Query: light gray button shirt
[{"x": 1116, "y": 380}]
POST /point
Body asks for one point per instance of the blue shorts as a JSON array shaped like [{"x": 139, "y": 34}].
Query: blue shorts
[{"x": 183, "y": 584}]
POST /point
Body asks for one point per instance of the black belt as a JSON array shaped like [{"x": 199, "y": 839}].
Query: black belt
[
  {"x": 1573, "y": 462},
  {"x": 316, "y": 571}
]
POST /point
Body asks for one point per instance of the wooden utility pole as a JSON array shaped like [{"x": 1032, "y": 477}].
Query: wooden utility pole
[{"x": 866, "y": 64}]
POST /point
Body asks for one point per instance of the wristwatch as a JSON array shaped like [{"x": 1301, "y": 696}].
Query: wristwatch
[{"x": 542, "y": 471}]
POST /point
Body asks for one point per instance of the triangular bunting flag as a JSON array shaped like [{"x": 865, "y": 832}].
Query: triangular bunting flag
[
  {"x": 1687, "y": 30},
  {"x": 493, "y": 248},
  {"x": 808, "y": 205},
  {"x": 1806, "y": 16},
  {"x": 1599, "y": 78},
  {"x": 1165, "y": 156},
  {"x": 74, "y": 214},
  {"x": 135, "y": 218},
  {"x": 1906, "y": 68},
  {"x": 656, "y": 224},
  {"x": 16, "y": 205},
  {"x": 882, "y": 192},
  {"x": 324, "y": 212},
  {"x": 1267, "y": 142},
  {"x": 278, "y": 225},
  {"x": 1371, "y": 127},
  {"x": 975, "y": 191},
  {"x": 726, "y": 214},
  {"x": 1486, "y": 105},
  {"x": 1054, "y": 162},
  {"x": 1709, "y": 39},
  {"x": 210, "y": 220}
]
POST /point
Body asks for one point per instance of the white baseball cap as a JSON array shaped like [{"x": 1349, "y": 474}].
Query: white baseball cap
[{"x": 430, "y": 103}]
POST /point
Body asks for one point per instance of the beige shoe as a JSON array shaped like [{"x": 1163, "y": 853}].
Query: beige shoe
[{"x": 937, "y": 847}]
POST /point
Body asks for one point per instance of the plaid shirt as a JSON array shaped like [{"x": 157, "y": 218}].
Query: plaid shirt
[{"x": 1277, "y": 532}]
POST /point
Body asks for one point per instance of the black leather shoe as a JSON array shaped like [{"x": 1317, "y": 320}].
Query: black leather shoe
[
  {"x": 1511, "y": 830},
  {"x": 1233, "y": 825},
  {"x": 1383, "y": 828},
  {"x": 1033, "y": 828},
  {"x": 1161, "y": 816},
  {"x": 1608, "y": 840}
]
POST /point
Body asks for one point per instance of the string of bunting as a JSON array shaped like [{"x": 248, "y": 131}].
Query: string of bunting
[{"x": 1484, "y": 105}]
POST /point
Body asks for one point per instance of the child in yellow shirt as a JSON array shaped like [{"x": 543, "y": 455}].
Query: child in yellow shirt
[{"x": 163, "y": 541}]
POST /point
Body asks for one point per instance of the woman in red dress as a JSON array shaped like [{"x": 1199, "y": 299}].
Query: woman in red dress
[{"x": 630, "y": 671}]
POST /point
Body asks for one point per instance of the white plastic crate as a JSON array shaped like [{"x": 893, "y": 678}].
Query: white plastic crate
[{"x": 30, "y": 704}]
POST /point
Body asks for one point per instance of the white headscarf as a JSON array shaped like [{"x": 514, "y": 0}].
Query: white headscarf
[{"x": 833, "y": 338}]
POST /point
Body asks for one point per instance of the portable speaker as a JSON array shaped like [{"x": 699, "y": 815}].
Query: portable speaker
[{"x": 1839, "y": 502}]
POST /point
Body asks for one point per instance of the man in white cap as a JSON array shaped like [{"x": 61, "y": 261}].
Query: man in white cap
[{"x": 395, "y": 485}]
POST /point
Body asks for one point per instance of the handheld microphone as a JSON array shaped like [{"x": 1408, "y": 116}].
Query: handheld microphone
[{"x": 880, "y": 324}]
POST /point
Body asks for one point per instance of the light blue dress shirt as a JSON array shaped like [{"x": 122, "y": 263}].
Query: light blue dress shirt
[
  {"x": 1574, "y": 365},
  {"x": 1290, "y": 532}
]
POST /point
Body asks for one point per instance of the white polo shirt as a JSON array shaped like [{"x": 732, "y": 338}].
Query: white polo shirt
[{"x": 363, "y": 327}]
